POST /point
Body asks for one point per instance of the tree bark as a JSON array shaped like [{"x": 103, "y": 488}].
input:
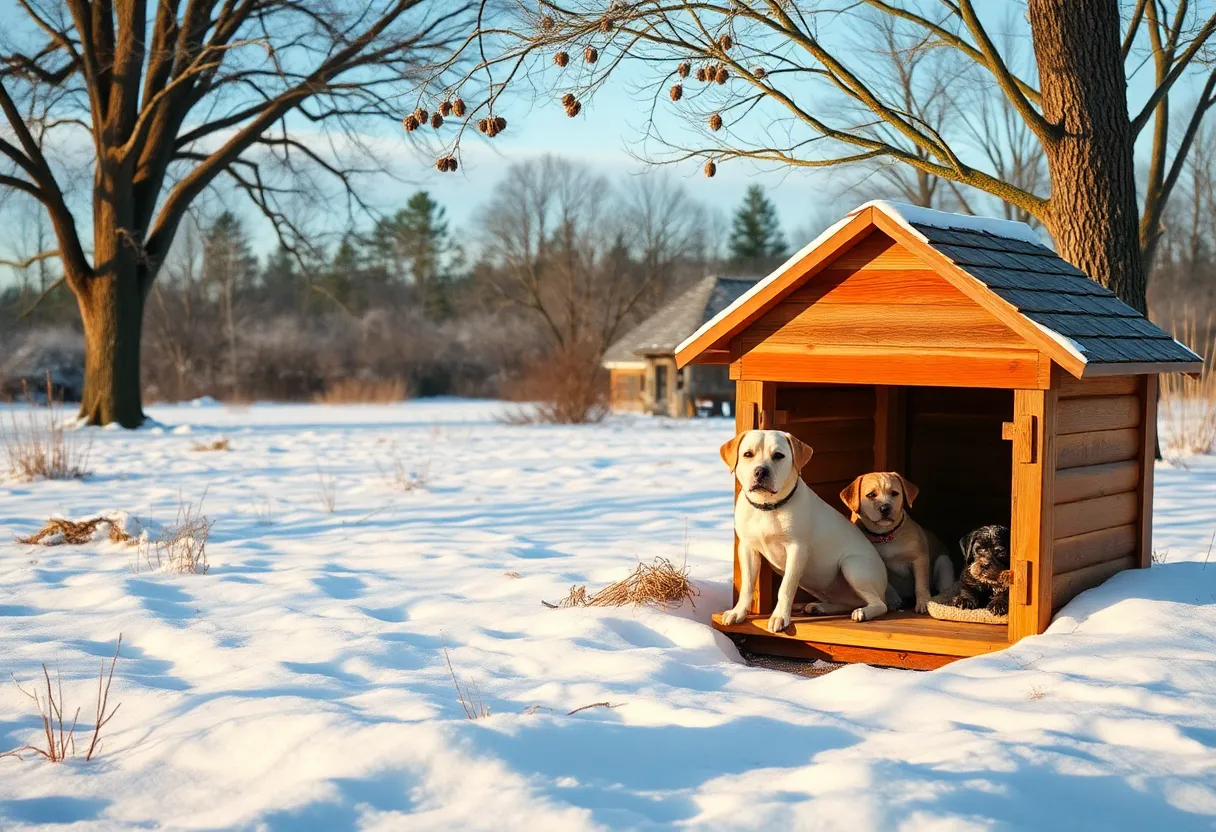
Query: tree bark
[{"x": 1093, "y": 215}]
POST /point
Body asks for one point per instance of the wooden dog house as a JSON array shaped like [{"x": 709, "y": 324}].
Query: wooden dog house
[{"x": 965, "y": 354}]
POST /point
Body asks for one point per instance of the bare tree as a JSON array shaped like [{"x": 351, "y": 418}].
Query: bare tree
[
  {"x": 173, "y": 98},
  {"x": 782, "y": 82}
]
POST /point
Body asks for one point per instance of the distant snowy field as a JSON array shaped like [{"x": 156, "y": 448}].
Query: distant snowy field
[{"x": 301, "y": 684}]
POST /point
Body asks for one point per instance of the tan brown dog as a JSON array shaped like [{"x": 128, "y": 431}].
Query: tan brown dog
[{"x": 918, "y": 564}]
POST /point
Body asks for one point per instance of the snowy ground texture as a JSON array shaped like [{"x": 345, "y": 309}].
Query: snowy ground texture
[{"x": 301, "y": 683}]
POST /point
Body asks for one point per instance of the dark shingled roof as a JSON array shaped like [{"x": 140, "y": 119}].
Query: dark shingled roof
[
  {"x": 1057, "y": 296},
  {"x": 663, "y": 331}
]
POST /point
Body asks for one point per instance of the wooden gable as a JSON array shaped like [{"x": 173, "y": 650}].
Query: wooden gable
[{"x": 876, "y": 313}]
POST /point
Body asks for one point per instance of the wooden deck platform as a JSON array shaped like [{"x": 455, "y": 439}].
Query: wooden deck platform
[{"x": 898, "y": 639}]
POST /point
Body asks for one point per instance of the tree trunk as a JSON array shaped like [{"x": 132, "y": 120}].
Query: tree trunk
[
  {"x": 112, "y": 310},
  {"x": 1094, "y": 216}
]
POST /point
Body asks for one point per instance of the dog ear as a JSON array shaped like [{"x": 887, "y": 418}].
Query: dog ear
[
  {"x": 852, "y": 494},
  {"x": 911, "y": 489},
  {"x": 964, "y": 543},
  {"x": 730, "y": 451},
  {"x": 802, "y": 451}
]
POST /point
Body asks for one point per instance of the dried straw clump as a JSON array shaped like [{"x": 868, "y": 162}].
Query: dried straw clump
[
  {"x": 710, "y": 169},
  {"x": 561, "y": 59},
  {"x": 221, "y": 444},
  {"x": 658, "y": 584},
  {"x": 58, "y": 531}
]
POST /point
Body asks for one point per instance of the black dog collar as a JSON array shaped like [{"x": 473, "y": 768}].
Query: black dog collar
[
  {"x": 883, "y": 537},
  {"x": 772, "y": 506}
]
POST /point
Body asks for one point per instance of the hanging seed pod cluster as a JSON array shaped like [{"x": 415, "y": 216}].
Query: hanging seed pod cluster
[
  {"x": 715, "y": 122},
  {"x": 677, "y": 92},
  {"x": 759, "y": 72},
  {"x": 591, "y": 54},
  {"x": 492, "y": 126},
  {"x": 410, "y": 123},
  {"x": 725, "y": 43},
  {"x": 561, "y": 59},
  {"x": 436, "y": 121},
  {"x": 458, "y": 109},
  {"x": 546, "y": 24},
  {"x": 606, "y": 25},
  {"x": 446, "y": 164},
  {"x": 702, "y": 74},
  {"x": 710, "y": 169},
  {"x": 683, "y": 69},
  {"x": 445, "y": 109},
  {"x": 572, "y": 106}
]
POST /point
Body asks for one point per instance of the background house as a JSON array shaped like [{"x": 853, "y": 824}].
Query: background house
[{"x": 642, "y": 364}]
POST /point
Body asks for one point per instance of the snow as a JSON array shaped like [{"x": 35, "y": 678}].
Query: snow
[{"x": 301, "y": 683}]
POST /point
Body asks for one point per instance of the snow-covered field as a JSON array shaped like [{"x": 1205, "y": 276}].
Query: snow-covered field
[{"x": 301, "y": 683}]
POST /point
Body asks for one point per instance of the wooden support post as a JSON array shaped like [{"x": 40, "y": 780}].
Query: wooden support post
[
  {"x": 1148, "y": 459},
  {"x": 1034, "y": 468},
  {"x": 755, "y": 409},
  {"x": 890, "y": 429}
]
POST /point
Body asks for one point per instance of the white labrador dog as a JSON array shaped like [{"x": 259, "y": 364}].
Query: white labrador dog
[{"x": 778, "y": 517}]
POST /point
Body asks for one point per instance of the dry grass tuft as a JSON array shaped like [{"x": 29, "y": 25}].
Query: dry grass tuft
[
  {"x": 39, "y": 444},
  {"x": 403, "y": 477},
  {"x": 658, "y": 584},
  {"x": 327, "y": 490},
  {"x": 221, "y": 444},
  {"x": 59, "y": 531},
  {"x": 1187, "y": 410},
  {"x": 181, "y": 546},
  {"x": 60, "y": 736},
  {"x": 467, "y": 693},
  {"x": 354, "y": 391}
]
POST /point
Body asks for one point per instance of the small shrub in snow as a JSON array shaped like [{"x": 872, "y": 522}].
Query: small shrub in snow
[
  {"x": 58, "y": 734},
  {"x": 402, "y": 476},
  {"x": 467, "y": 693},
  {"x": 181, "y": 546},
  {"x": 354, "y": 391},
  {"x": 1187, "y": 411},
  {"x": 327, "y": 490},
  {"x": 39, "y": 445},
  {"x": 567, "y": 387}
]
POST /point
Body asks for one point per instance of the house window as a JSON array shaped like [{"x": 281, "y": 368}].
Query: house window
[{"x": 660, "y": 382}]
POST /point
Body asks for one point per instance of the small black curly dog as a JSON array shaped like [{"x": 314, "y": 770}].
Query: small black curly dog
[{"x": 986, "y": 577}]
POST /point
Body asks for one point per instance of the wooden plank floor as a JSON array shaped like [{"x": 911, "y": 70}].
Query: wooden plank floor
[{"x": 900, "y": 631}]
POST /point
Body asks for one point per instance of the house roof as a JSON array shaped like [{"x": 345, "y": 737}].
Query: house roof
[
  {"x": 665, "y": 329},
  {"x": 1005, "y": 267}
]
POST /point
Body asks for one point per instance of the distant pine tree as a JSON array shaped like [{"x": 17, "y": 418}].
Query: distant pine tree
[{"x": 756, "y": 233}]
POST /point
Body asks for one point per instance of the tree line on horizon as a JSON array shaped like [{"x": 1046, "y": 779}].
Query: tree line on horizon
[{"x": 404, "y": 304}]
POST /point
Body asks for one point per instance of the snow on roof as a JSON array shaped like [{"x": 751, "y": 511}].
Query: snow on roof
[{"x": 910, "y": 216}]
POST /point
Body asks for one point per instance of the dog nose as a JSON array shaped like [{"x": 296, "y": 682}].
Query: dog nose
[
  {"x": 761, "y": 472},
  {"x": 885, "y": 508}
]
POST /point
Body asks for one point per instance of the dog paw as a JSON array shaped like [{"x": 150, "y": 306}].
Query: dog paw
[
  {"x": 778, "y": 622},
  {"x": 859, "y": 615},
  {"x": 922, "y": 605},
  {"x": 733, "y": 616},
  {"x": 999, "y": 606},
  {"x": 813, "y": 608}
]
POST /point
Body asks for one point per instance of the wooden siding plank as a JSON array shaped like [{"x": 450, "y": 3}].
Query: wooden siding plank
[
  {"x": 812, "y": 650},
  {"x": 826, "y": 436},
  {"x": 1108, "y": 386},
  {"x": 892, "y": 365},
  {"x": 1085, "y": 483},
  {"x": 1081, "y": 415},
  {"x": 807, "y": 403},
  {"x": 1099, "y": 513},
  {"x": 1069, "y": 585},
  {"x": 1097, "y": 448},
  {"x": 916, "y": 286},
  {"x": 894, "y": 631},
  {"x": 880, "y": 325},
  {"x": 1148, "y": 460},
  {"x": 1082, "y": 550}
]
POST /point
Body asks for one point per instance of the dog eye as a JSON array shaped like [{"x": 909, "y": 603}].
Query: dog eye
[
  {"x": 748, "y": 454},
  {"x": 778, "y": 455},
  {"x": 871, "y": 495},
  {"x": 894, "y": 493}
]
